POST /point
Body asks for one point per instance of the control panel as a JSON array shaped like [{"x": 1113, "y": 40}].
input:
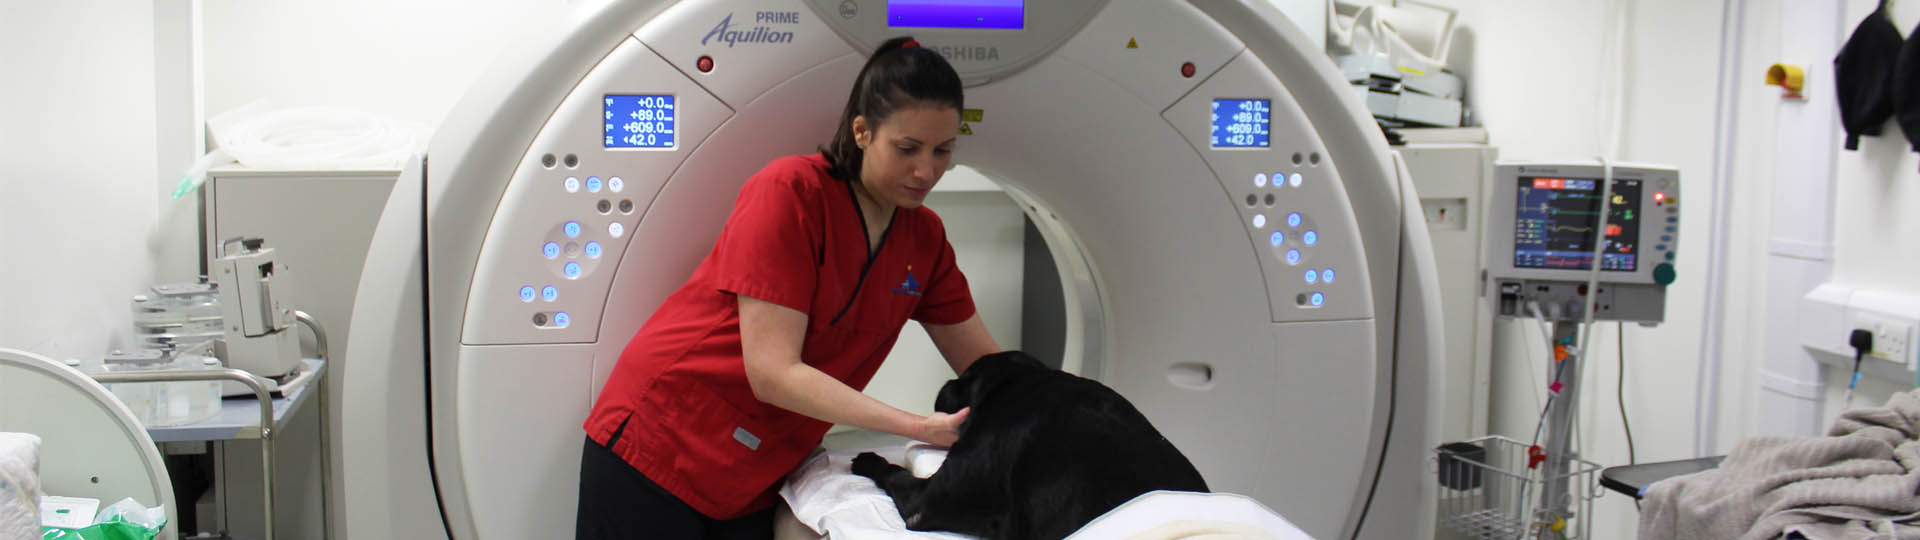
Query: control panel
[
  {"x": 1282, "y": 184},
  {"x": 564, "y": 222}
]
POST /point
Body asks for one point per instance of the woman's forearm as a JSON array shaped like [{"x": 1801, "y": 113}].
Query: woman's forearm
[
  {"x": 806, "y": 390},
  {"x": 770, "y": 340}
]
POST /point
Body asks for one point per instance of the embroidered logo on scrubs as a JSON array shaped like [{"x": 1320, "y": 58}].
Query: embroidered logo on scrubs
[{"x": 910, "y": 286}]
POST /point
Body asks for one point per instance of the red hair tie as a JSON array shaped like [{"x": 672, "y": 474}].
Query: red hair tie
[{"x": 911, "y": 43}]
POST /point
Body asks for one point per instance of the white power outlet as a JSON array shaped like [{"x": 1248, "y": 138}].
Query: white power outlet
[
  {"x": 1832, "y": 311},
  {"x": 1892, "y": 339}
]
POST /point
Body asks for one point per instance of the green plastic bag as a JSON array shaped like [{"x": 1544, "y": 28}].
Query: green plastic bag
[
  {"x": 115, "y": 530},
  {"x": 124, "y": 520}
]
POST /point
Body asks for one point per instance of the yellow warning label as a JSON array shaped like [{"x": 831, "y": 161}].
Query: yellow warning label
[
  {"x": 972, "y": 115},
  {"x": 965, "y": 129},
  {"x": 1131, "y": 44}
]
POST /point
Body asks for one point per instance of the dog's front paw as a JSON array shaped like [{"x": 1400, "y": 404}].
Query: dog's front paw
[{"x": 870, "y": 465}]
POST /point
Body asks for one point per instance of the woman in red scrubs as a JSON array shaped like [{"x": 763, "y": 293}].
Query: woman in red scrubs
[{"x": 738, "y": 375}]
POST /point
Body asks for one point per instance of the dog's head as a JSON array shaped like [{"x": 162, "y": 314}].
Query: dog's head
[{"x": 983, "y": 377}]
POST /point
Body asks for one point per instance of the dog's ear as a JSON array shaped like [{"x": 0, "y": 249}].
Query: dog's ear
[
  {"x": 982, "y": 377},
  {"x": 962, "y": 392},
  {"x": 954, "y": 395},
  {"x": 966, "y": 390}
]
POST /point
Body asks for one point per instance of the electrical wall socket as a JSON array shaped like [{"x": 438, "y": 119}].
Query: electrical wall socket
[
  {"x": 1892, "y": 338},
  {"x": 1833, "y": 310}
]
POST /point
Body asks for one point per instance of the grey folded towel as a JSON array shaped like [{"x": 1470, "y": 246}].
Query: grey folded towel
[{"x": 1859, "y": 481}]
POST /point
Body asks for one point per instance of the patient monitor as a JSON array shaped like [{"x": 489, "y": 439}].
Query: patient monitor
[
  {"x": 1543, "y": 225},
  {"x": 1571, "y": 243},
  {"x": 1241, "y": 256}
]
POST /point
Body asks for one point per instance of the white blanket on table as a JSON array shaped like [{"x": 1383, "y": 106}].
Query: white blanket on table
[
  {"x": 828, "y": 498},
  {"x": 19, "y": 486},
  {"x": 1857, "y": 482}
]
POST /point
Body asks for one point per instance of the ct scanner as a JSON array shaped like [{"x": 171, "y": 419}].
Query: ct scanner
[{"x": 1267, "y": 299}]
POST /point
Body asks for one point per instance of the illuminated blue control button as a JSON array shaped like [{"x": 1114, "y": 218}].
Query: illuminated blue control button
[
  {"x": 549, "y": 293},
  {"x": 1326, "y": 276},
  {"x": 1260, "y": 180},
  {"x": 616, "y": 229},
  {"x": 1317, "y": 299},
  {"x": 561, "y": 320},
  {"x": 551, "y": 250},
  {"x": 1259, "y": 221},
  {"x": 1666, "y": 238},
  {"x": 593, "y": 184},
  {"x": 526, "y": 293},
  {"x": 1312, "y": 276},
  {"x": 1310, "y": 238},
  {"x": 615, "y": 184},
  {"x": 1277, "y": 238},
  {"x": 1673, "y": 219},
  {"x": 1661, "y": 247},
  {"x": 593, "y": 250},
  {"x": 572, "y": 229},
  {"x": 572, "y": 270},
  {"x": 1670, "y": 228},
  {"x": 1293, "y": 219},
  {"x": 1293, "y": 256},
  {"x": 573, "y": 184},
  {"x": 1295, "y": 179}
]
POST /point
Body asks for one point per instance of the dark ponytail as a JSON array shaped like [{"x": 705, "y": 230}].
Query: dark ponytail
[{"x": 900, "y": 73}]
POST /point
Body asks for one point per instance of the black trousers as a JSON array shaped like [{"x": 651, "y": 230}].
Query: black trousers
[{"x": 617, "y": 502}]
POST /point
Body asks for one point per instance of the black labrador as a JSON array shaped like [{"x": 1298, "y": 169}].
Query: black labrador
[{"x": 1042, "y": 453}]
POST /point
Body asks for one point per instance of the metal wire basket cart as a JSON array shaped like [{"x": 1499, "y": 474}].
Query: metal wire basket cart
[{"x": 1494, "y": 488}]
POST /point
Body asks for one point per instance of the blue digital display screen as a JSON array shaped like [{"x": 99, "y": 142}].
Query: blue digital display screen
[
  {"x": 1241, "y": 123},
  {"x": 986, "y": 14},
  {"x": 639, "y": 121}
]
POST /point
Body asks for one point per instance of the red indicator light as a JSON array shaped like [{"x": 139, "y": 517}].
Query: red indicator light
[
  {"x": 1186, "y": 70},
  {"x": 1659, "y": 197},
  {"x": 705, "y": 64}
]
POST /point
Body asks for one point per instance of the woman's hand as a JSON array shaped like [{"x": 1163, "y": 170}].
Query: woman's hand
[{"x": 942, "y": 429}]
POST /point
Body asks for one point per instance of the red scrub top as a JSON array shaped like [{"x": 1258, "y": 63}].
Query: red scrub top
[{"x": 678, "y": 399}]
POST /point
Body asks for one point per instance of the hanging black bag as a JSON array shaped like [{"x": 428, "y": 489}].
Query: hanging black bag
[{"x": 1863, "y": 74}]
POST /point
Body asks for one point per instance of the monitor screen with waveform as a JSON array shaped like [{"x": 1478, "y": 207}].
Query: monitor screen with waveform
[{"x": 1555, "y": 220}]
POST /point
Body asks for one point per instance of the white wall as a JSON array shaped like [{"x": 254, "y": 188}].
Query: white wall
[
  {"x": 77, "y": 206},
  {"x": 1537, "y": 83},
  {"x": 86, "y": 159},
  {"x": 407, "y": 60},
  {"x": 1876, "y": 226},
  {"x": 76, "y": 173},
  {"x": 1877, "y": 233}
]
